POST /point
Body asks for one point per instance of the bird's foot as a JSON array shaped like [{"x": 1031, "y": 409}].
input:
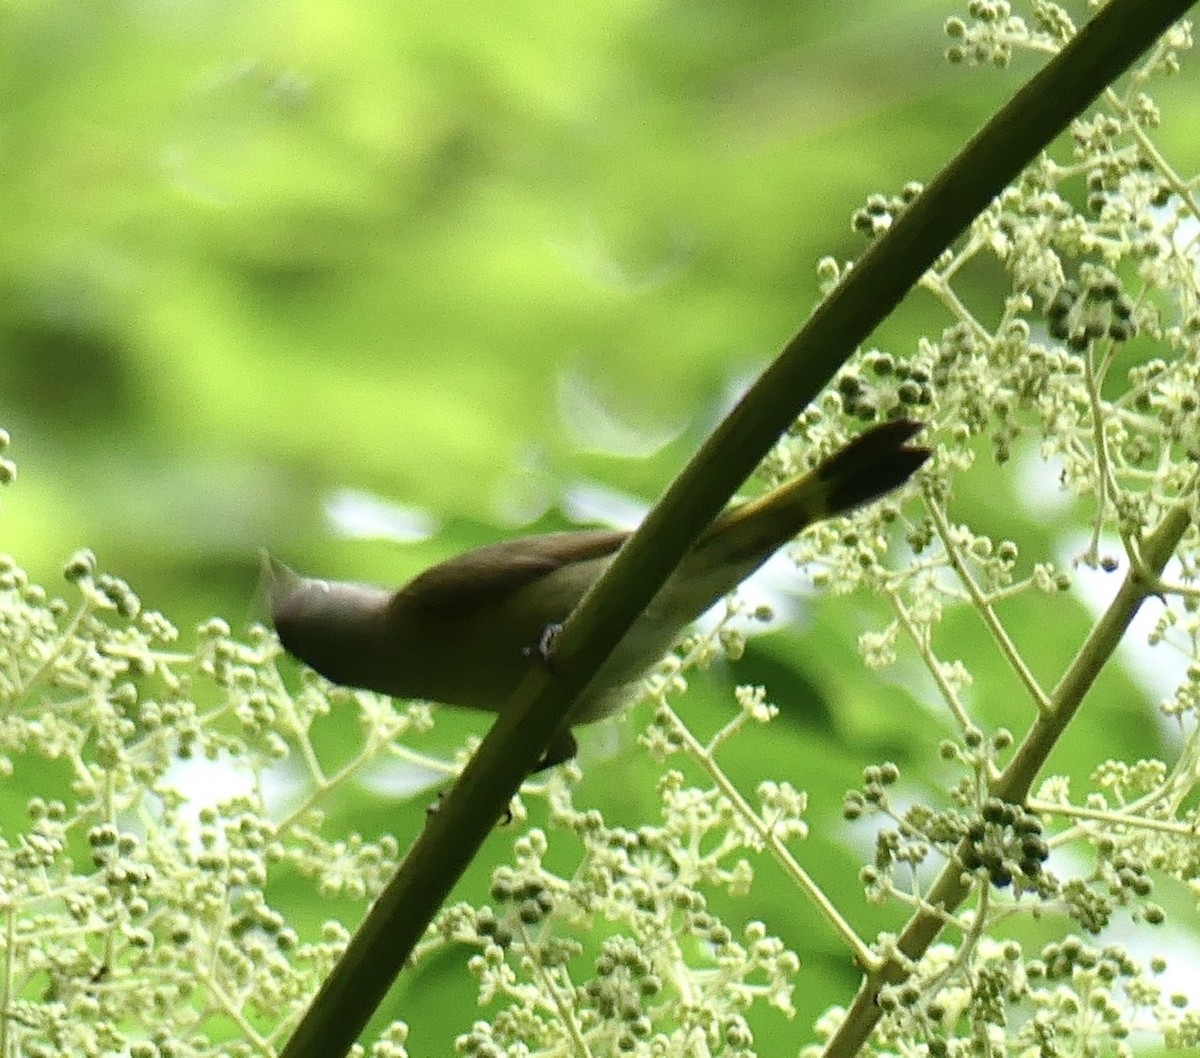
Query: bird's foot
[{"x": 544, "y": 648}]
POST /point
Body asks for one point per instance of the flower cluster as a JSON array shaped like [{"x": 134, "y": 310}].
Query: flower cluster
[
  {"x": 137, "y": 923},
  {"x": 1068, "y": 997},
  {"x": 667, "y": 976}
]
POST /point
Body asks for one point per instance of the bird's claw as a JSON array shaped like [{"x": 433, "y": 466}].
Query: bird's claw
[{"x": 544, "y": 648}]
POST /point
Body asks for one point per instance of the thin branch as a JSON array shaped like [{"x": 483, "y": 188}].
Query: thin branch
[
  {"x": 925, "y": 649},
  {"x": 997, "y": 630},
  {"x": 564, "y": 1008},
  {"x": 1104, "y": 815},
  {"x": 862, "y": 954}
]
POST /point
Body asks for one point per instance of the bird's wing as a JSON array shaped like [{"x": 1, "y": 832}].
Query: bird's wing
[{"x": 489, "y": 573}]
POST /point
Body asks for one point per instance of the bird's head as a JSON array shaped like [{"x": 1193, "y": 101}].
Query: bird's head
[{"x": 333, "y": 627}]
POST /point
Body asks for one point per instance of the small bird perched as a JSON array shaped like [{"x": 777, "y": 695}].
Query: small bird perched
[{"x": 465, "y": 631}]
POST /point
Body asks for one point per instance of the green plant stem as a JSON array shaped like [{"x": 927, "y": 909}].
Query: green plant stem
[
  {"x": 6, "y": 973},
  {"x": 23, "y": 689},
  {"x": 984, "y": 608},
  {"x": 563, "y": 1007},
  {"x": 861, "y": 953},
  {"x": 1118, "y": 818},
  {"x": 952, "y": 886},
  {"x": 925, "y": 649},
  {"x": 539, "y": 708}
]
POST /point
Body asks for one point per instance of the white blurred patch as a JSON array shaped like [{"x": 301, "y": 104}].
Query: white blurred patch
[
  {"x": 1158, "y": 669},
  {"x": 589, "y": 503},
  {"x": 1039, "y": 492},
  {"x": 594, "y": 425},
  {"x": 590, "y": 252},
  {"x": 778, "y": 585},
  {"x": 205, "y": 783},
  {"x": 1177, "y": 221},
  {"x": 283, "y": 788},
  {"x": 398, "y": 779},
  {"x": 364, "y": 516},
  {"x": 526, "y": 492}
]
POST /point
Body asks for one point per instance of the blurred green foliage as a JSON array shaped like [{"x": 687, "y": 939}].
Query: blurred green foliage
[
  {"x": 255, "y": 252},
  {"x": 462, "y": 257}
]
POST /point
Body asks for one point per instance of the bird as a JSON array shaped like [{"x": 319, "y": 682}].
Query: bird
[{"x": 465, "y": 631}]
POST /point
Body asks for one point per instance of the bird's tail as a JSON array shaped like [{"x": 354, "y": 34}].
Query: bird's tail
[
  {"x": 873, "y": 464},
  {"x": 877, "y": 461}
]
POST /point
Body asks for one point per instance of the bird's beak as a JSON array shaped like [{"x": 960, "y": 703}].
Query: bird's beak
[{"x": 277, "y": 581}]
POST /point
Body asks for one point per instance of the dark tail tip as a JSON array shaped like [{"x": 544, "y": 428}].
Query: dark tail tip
[{"x": 875, "y": 462}]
